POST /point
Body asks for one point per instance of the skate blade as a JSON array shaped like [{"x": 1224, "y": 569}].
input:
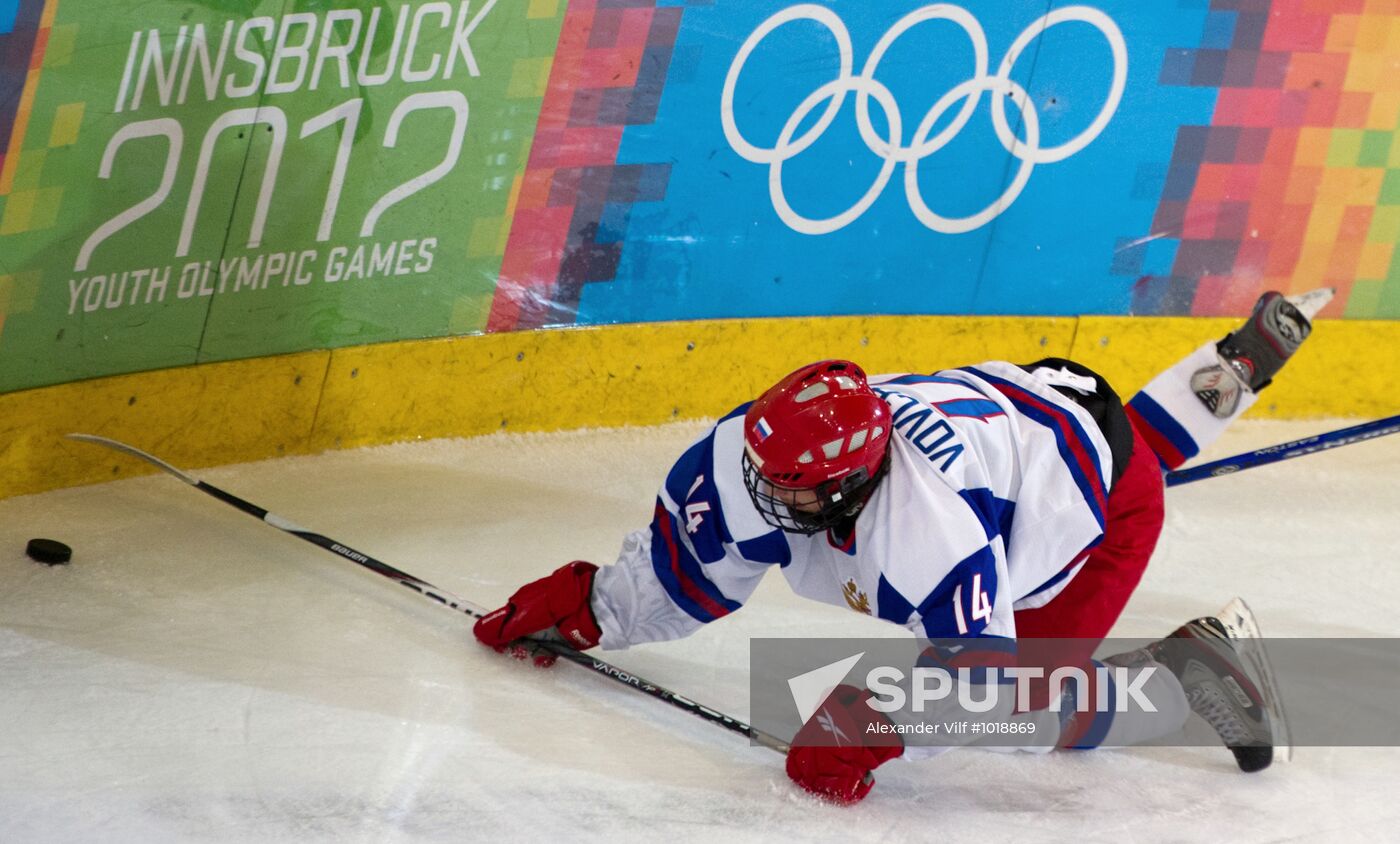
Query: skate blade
[
  {"x": 1240, "y": 622},
  {"x": 1309, "y": 303}
]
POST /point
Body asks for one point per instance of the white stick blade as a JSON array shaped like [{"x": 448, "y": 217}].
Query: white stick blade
[{"x": 134, "y": 452}]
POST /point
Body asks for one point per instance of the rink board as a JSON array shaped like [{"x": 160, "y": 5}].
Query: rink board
[
  {"x": 209, "y": 181},
  {"x": 604, "y": 376}
]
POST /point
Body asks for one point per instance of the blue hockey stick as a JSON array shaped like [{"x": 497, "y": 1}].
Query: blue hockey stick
[{"x": 1284, "y": 451}]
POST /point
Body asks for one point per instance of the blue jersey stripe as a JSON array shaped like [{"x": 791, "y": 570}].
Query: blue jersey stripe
[
  {"x": 925, "y": 379},
  {"x": 771, "y": 548},
  {"x": 1092, "y": 726},
  {"x": 995, "y": 514},
  {"x": 681, "y": 574},
  {"x": 1087, "y": 486},
  {"x": 947, "y": 603},
  {"x": 738, "y": 411},
  {"x": 691, "y": 485},
  {"x": 1165, "y": 424},
  {"x": 893, "y": 605},
  {"x": 970, "y": 408},
  {"x": 1075, "y": 447},
  {"x": 1063, "y": 573}
]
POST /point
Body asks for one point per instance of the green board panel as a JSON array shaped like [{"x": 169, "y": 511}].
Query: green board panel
[{"x": 214, "y": 180}]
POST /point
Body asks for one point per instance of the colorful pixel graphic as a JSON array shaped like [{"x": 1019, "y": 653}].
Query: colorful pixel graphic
[
  {"x": 25, "y": 27},
  {"x": 24, "y": 35},
  {"x": 1296, "y": 181},
  {"x": 574, "y": 198}
]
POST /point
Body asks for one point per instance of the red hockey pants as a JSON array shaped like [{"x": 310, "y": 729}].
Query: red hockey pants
[
  {"x": 1067, "y": 630},
  {"x": 1093, "y": 600}
]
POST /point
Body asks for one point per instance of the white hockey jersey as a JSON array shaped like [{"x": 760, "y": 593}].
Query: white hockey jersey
[{"x": 997, "y": 488}]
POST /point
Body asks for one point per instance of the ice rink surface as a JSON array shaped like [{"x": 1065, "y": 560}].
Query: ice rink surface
[{"x": 195, "y": 675}]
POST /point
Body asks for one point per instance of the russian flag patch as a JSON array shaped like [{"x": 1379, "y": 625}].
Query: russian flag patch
[{"x": 761, "y": 429}]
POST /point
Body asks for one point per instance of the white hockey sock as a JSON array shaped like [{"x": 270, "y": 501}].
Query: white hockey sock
[
  {"x": 1137, "y": 726},
  {"x": 1172, "y": 419}
]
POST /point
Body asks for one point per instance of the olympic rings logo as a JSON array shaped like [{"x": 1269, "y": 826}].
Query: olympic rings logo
[{"x": 1028, "y": 149}]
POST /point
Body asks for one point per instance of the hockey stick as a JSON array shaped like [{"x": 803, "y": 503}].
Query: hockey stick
[
  {"x": 1284, "y": 451},
  {"x": 447, "y": 599}
]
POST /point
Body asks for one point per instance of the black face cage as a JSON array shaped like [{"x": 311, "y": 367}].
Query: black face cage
[{"x": 837, "y": 500}]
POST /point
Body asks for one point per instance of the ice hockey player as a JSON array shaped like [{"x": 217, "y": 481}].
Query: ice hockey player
[{"x": 993, "y": 500}]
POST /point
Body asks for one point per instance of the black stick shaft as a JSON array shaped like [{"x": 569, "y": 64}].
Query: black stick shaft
[
  {"x": 446, "y": 598},
  {"x": 1228, "y": 465}
]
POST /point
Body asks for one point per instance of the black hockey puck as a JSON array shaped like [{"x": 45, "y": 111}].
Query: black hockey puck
[{"x": 49, "y": 551}]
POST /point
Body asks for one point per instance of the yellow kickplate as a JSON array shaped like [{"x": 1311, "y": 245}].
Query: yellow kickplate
[{"x": 637, "y": 374}]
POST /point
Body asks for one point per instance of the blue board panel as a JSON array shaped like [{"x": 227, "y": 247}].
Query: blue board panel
[{"x": 840, "y": 220}]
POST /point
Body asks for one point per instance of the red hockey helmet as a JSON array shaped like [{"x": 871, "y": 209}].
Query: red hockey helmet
[{"x": 815, "y": 446}]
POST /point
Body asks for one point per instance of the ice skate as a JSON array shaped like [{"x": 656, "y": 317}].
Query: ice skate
[
  {"x": 1209, "y": 657},
  {"x": 1252, "y": 354}
]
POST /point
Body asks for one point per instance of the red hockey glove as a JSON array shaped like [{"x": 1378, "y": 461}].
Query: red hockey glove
[
  {"x": 835, "y": 751},
  {"x": 557, "y": 602}
]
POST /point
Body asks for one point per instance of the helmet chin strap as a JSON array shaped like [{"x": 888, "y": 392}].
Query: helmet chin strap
[
  {"x": 858, "y": 494},
  {"x": 865, "y": 489}
]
